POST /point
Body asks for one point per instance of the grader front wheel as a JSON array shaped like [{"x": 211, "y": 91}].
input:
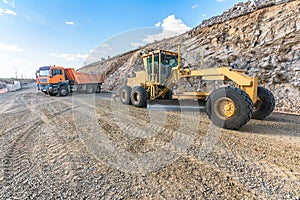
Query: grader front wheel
[{"x": 229, "y": 107}]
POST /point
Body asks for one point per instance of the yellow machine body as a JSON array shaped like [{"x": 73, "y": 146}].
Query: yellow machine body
[{"x": 157, "y": 73}]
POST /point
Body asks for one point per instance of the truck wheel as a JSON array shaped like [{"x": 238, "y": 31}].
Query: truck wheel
[
  {"x": 90, "y": 89},
  {"x": 139, "y": 97},
  {"x": 63, "y": 90},
  {"x": 98, "y": 90},
  {"x": 229, "y": 107},
  {"x": 265, "y": 105},
  {"x": 125, "y": 95}
]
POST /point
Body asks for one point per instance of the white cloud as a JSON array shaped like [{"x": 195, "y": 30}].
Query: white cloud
[
  {"x": 8, "y": 47},
  {"x": 157, "y": 24},
  {"x": 7, "y": 12},
  {"x": 69, "y": 23},
  {"x": 195, "y": 6},
  {"x": 203, "y": 15},
  {"x": 70, "y": 56},
  {"x": 220, "y": 1},
  {"x": 173, "y": 24},
  {"x": 171, "y": 27},
  {"x": 136, "y": 44},
  {"x": 12, "y": 2}
]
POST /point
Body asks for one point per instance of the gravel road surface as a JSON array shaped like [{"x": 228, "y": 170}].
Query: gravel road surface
[{"x": 88, "y": 146}]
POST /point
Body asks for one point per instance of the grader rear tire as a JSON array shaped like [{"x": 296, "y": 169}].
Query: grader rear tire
[
  {"x": 125, "y": 93},
  {"x": 229, "y": 107},
  {"x": 139, "y": 97},
  {"x": 265, "y": 105}
]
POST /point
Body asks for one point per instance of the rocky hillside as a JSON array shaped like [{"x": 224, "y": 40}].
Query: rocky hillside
[{"x": 261, "y": 36}]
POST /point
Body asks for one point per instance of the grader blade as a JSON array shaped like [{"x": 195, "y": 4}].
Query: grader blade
[{"x": 176, "y": 105}]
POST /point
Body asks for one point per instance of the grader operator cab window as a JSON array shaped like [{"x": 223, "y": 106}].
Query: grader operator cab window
[
  {"x": 159, "y": 66},
  {"x": 167, "y": 63}
]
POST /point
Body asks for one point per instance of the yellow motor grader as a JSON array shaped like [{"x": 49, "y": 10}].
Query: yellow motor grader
[{"x": 160, "y": 86}]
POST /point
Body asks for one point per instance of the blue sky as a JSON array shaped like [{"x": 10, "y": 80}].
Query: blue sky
[{"x": 35, "y": 33}]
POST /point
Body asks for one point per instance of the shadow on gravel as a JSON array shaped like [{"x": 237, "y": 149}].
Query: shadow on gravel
[
  {"x": 275, "y": 124},
  {"x": 282, "y": 117}
]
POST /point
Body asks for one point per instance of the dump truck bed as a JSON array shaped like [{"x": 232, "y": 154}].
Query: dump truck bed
[{"x": 83, "y": 78}]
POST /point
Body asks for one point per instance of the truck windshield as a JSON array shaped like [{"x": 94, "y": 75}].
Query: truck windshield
[{"x": 44, "y": 73}]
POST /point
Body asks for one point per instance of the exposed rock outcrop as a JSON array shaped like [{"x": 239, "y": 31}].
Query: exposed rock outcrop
[{"x": 261, "y": 36}]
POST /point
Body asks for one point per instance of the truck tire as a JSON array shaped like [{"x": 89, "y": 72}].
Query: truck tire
[
  {"x": 125, "y": 93},
  {"x": 63, "y": 91},
  {"x": 98, "y": 90},
  {"x": 90, "y": 89},
  {"x": 265, "y": 105},
  {"x": 229, "y": 107},
  {"x": 139, "y": 97}
]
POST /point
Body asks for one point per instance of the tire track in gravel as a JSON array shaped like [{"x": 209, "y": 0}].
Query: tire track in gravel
[
  {"x": 108, "y": 123},
  {"x": 17, "y": 166},
  {"x": 17, "y": 144},
  {"x": 17, "y": 159},
  {"x": 268, "y": 170},
  {"x": 12, "y": 119},
  {"x": 5, "y": 105},
  {"x": 127, "y": 137},
  {"x": 137, "y": 126},
  {"x": 236, "y": 155},
  {"x": 45, "y": 149}
]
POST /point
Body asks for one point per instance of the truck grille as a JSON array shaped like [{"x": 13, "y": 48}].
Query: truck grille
[{"x": 43, "y": 80}]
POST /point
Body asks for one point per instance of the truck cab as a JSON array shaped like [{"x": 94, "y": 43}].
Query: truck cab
[
  {"x": 42, "y": 78},
  {"x": 55, "y": 80},
  {"x": 51, "y": 78},
  {"x": 57, "y": 74}
]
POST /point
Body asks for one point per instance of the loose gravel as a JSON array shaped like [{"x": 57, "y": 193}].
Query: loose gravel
[{"x": 88, "y": 146}]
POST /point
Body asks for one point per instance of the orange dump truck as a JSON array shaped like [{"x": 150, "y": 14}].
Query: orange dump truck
[{"x": 55, "y": 80}]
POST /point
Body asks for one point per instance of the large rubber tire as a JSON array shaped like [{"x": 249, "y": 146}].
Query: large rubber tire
[
  {"x": 139, "y": 97},
  {"x": 98, "y": 90},
  {"x": 63, "y": 91},
  {"x": 265, "y": 105},
  {"x": 90, "y": 89},
  {"x": 125, "y": 93},
  {"x": 229, "y": 107}
]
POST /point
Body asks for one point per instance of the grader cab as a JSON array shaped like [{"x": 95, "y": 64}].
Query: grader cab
[{"x": 162, "y": 80}]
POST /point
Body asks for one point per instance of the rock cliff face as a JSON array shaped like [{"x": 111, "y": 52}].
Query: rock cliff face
[{"x": 261, "y": 36}]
